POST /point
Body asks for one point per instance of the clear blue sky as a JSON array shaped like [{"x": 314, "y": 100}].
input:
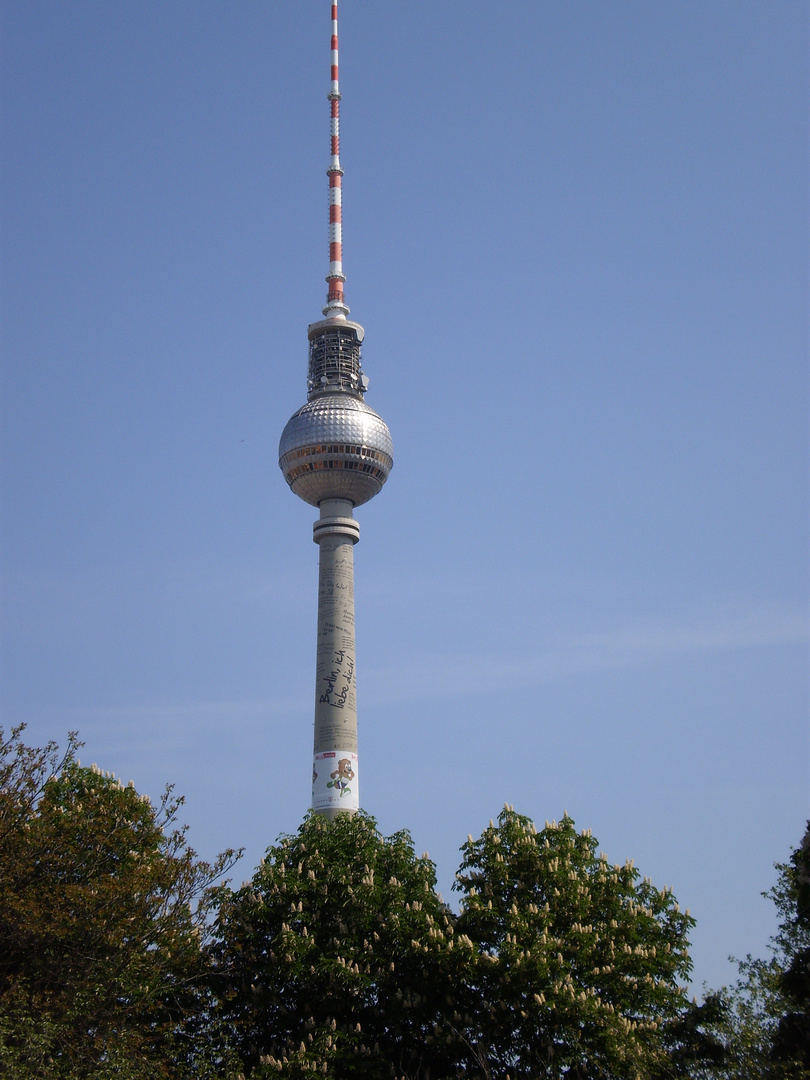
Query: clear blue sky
[{"x": 577, "y": 237}]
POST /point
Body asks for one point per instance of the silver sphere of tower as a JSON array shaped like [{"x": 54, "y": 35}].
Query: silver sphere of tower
[{"x": 335, "y": 446}]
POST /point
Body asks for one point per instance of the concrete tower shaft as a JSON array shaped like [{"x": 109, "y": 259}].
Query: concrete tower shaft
[{"x": 335, "y": 766}]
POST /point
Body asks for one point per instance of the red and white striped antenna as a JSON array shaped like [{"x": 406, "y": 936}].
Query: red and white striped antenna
[{"x": 335, "y": 306}]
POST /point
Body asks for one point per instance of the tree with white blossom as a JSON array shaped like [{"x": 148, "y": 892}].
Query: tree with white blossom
[
  {"x": 339, "y": 958},
  {"x": 579, "y": 963}
]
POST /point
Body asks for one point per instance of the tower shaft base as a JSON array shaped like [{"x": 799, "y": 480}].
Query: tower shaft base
[{"x": 335, "y": 766}]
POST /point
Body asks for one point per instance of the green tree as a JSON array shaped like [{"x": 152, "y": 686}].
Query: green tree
[
  {"x": 577, "y": 963},
  {"x": 103, "y": 908},
  {"x": 766, "y": 1025},
  {"x": 691, "y": 1042},
  {"x": 749, "y": 1021},
  {"x": 340, "y": 959},
  {"x": 790, "y": 1047}
]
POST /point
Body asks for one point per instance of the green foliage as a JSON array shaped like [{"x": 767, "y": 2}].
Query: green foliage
[
  {"x": 692, "y": 1046},
  {"x": 102, "y": 910},
  {"x": 765, "y": 1026},
  {"x": 753, "y": 1007},
  {"x": 577, "y": 961},
  {"x": 340, "y": 959},
  {"x": 790, "y": 1049}
]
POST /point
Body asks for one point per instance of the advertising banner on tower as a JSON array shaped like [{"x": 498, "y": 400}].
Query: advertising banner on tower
[{"x": 334, "y": 781}]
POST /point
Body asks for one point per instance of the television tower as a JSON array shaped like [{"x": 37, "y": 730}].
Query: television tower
[{"x": 335, "y": 453}]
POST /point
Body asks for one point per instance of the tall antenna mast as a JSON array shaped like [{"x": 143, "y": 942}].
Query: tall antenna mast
[
  {"x": 335, "y": 307},
  {"x": 335, "y": 453}
]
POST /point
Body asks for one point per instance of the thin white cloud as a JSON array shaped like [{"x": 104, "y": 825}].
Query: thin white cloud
[
  {"x": 168, "y": 723},
  {"x": 434, "y": 675},
  {"x": 629, "y": 646}
]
